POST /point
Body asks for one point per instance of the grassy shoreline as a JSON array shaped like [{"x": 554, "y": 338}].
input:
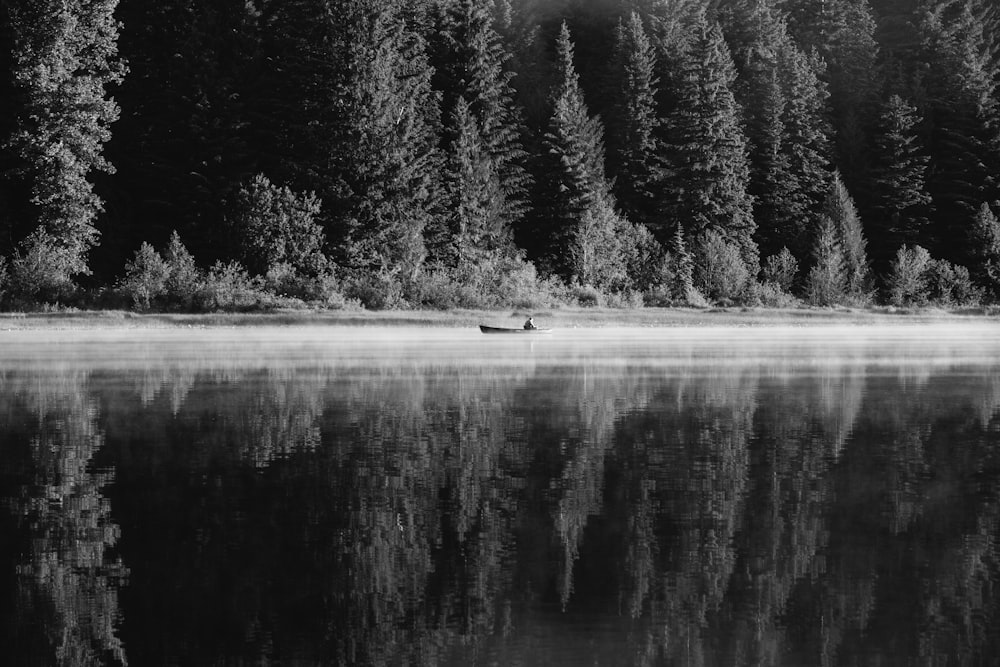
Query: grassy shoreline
[{"x": 560, "y": 317}]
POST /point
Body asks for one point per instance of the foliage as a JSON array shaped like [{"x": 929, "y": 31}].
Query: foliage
[
  {"x": 985, "y": 238},
  {"x": 479, "y": 215},
  {"x": 634, "y": 124},
  {"x": 907, "y": 282},
  {"x": 899, "y": 179},
  {"x": 780, "y": 270},
  {"x": 826, "y": 283},
  {"x": 273, "y": 225},
  {"x": 229, "y": 287},
  {"x": 499, "y": 282},
  {"x": 41, "y": 271},
  {"x": 679, "y": 267},
  {"x": 184, "y": 281},
  {"x": 145, "y": 277},
  {"x": 575, "y": 179},
  {"x": 469, "y": 61},
  {"x": 601, "y": 248},
  {"x": 65, "y": 58},
  {"x": 951, "y": 285},
  {"x": 708, "y": 151},
  {"x": 840, "y": 210},
  {"x": 720, "y": 272}
]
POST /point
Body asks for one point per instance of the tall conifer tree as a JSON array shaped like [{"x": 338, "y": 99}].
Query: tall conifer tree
[
  {"x": 388, "y": 160},
  {"x": 899, "y": 177},
  {"x": 65, "y": 58},
  {"x": 470, "y": 64},
  {"x": 708, "y": 148},
  {"x": 574, "y": 176},
  {"x": 840, "y": 209},
  {"x": 478, "y": 226},
  {"x": 962, "y": 114},
  {"x": 634, "y": 133}
]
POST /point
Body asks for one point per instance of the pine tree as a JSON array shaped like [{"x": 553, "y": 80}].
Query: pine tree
[
  {"x": 805, "y": 146},
  {"x": 635, "y": 150},
  {"x": 826, "y": 283},
  {"x": 843, "y": 34},
  {"x": 574, "y": 179},
  {"x": 839, "y": 208},
  {"x": 470, "y": 64},
  {"x": 478, "y": 227},
  {"x": 383, "y": 144},
  {"x": 708, "y": 148},
  {"x": 682, "y": 268},
  {"x": 65, "y": 58},
  {"x": 964, "y": 120},
  {"x": 899, "y": 176},
  {"x": 985, "y": 241}
]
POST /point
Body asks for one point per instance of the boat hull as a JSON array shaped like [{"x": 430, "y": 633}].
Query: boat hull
[{"x": 501, "y": 330}]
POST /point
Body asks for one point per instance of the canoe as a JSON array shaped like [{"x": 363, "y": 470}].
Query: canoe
[{"x": 501, "y": 330}]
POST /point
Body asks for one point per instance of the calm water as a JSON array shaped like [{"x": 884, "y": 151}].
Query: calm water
[{"x": 435, "y": 496}]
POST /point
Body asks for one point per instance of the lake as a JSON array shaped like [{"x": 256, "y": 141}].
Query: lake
[{"x": 432, "y": 496}]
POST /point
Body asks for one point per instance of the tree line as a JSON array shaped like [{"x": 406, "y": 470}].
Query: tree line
[{"x": 487, "y": 153}]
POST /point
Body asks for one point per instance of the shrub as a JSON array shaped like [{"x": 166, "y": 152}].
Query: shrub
[
  {"x": 145, "y": 277},
  {"x": 42, "y": 271},
  {"x": 276, "y": 226},
  {"x": 951, "y": 285},
  {"x": 378, "y": 290},
  {"x": 587, "y": 296},
  {"x": 184, "y": 282},
  {"x": 228, "y": 286},
  {"x": 720, "y": 272},
  {"x": 496, "y": 280},
  {"x": 772, "y": 295},
  {"x": 780, "y": 270},
  {"x": 320, "y": 286},
  {"x": 908, "y": 278}
]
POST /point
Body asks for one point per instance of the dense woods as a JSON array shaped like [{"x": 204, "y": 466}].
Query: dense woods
[{"x": 227, "y": 154}]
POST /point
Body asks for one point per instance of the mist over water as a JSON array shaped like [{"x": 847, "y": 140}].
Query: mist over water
[{"x": 716, "y": 496}]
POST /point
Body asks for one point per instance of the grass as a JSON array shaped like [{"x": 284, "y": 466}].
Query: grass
[{"x": 555, "y": 318}]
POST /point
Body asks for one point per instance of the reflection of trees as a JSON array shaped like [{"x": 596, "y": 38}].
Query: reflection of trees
[
  {"x": 69, "y": 577},
  {"x": 392, "y": 513}
]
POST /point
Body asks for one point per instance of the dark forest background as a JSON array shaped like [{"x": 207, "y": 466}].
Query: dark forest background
[{"x": 207, "y": 154}]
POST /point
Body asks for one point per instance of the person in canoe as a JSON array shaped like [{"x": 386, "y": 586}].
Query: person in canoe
[{"x": 530, "y": 323}]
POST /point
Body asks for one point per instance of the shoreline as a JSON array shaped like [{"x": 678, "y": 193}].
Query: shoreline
[{"x": 555, "y": 318}]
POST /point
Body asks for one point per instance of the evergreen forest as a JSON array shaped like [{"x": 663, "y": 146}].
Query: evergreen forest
[{"x": 246, "y": 154}]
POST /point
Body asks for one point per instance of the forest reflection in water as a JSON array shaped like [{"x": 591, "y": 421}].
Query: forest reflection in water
[{"x": 433, "y": 496}]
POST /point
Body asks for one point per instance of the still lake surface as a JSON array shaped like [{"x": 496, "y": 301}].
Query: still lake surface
[{"x": 356, "y": 496}]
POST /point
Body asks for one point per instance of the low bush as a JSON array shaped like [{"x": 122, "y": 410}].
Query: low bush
[
  {"x": 145, "y": 277},
  {"x": 780, "y": 271},
  {"x": 951, "y": 285},
  {"x": 771, "y": 295},
  {"x": 907, "y": 283},
  {"x": 720, "y": 272},
  {"x": 184, "y": 282},
  {"x": 41, "y": 272},
  {"x": 379, "y": 290},
  {"x": 587, "y": 296},
  {"x": 229, "y": 287}
]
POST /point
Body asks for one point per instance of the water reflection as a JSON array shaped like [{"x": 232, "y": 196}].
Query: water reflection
[{"x": 670, "y": 497}]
